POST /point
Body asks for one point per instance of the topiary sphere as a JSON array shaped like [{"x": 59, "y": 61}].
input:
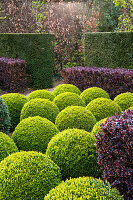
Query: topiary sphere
[
  {"x": 75, "y": 117},
  {"x": 14, "y": 102},
  {"x": 34, "y": 133},
  {"x": 66, "y": 88},
  {"x": 66, "y": 99},
  {"x": 96, "y": 127},
  {"x": 4, "y": 117},
  {"x": 44, "y": 94},
  {"x": 27, "y": 175},
  {"x": 103, "y": 107},
  {"x": 84, "y": 188},
  {"x": 74, "y": 151},
  {"x": 7, "y": 146},
  {"x": 40, "y": 107},
  {"x": 93, "y": 93},
  {"x": 124, "y": 100}
]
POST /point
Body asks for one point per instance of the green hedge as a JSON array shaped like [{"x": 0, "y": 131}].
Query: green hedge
[
  {"x": 109, "y": 49},
  {"x": 36, "y": 49}
]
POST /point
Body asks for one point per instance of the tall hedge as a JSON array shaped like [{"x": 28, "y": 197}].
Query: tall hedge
[
  {"x": 109, "y": 49},
  {"x": 36, "y": 49}
]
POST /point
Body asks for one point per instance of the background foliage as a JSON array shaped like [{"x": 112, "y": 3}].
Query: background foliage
[{"x": 68, "y": 20}]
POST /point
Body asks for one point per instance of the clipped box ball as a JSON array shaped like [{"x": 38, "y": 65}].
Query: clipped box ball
[
  {"x": 40, "y": 107},
  {"x": 103, "y": 107},
  {"x": 93, "y": 93},
  {"x": 15, "y": 103},
  {"x": 124, "y": 100},
  {"x": 74, "y": 151},
  {"x": 66, "y": 99},
  {"x": 34, "y": 133},
  {"x": 44, "y": 94},
  {"x": 4, "y": 117},
  {"x": 66, "y": 88},
  {"x": 7, "y": 146},
  {"x": 96, "y": 127},
  {"x": 84, "y": 188},
  {"x": 75, "y": 117},
  {"x": 27, "y": 175}
]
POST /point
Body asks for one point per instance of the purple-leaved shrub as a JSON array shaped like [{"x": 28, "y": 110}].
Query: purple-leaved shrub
[{"x": 115, "y": 145}]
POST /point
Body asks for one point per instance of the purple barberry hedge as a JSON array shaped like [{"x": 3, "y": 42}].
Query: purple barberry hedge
[
  {"x": 113, "y": 81},
  {"x": 115, "y": 147}
]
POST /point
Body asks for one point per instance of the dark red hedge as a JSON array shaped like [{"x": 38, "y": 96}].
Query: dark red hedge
[
  {"x": 13, "y": 76},
  {"x": 115, "y": 152},
  {"x": 113, "y": 81}
]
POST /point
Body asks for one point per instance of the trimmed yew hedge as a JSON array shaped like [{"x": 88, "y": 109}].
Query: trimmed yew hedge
[
  {"x": 109, "y": 49},
  {"x": 38, "y": 51}
]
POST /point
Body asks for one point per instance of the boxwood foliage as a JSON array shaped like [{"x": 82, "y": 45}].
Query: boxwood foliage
[
  {"x": 44, "y": 94},
  {"x": 27, "y": 175},
  {"x": 4, "y": 117},
  {"x": 66, "y": 99},
  {"x": 14, "y": 102},
  {"x": 66, "y": 88},
  {"x": 34, "y": 133},
  {"x": 124, "y": 100},
  {"x": 75, "y": 117},
  {"x": 93, "y": 93},
  {"x": 40, "y": 107},
  {"x": 74, "y": 151},
  {"x": 7, "y": 146},
  {"x": 85, "y": 188},
  {"x": 103, "y": 107},
  {"x": 115, "y": 144},
  {"x": 97, "y": 128}
]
